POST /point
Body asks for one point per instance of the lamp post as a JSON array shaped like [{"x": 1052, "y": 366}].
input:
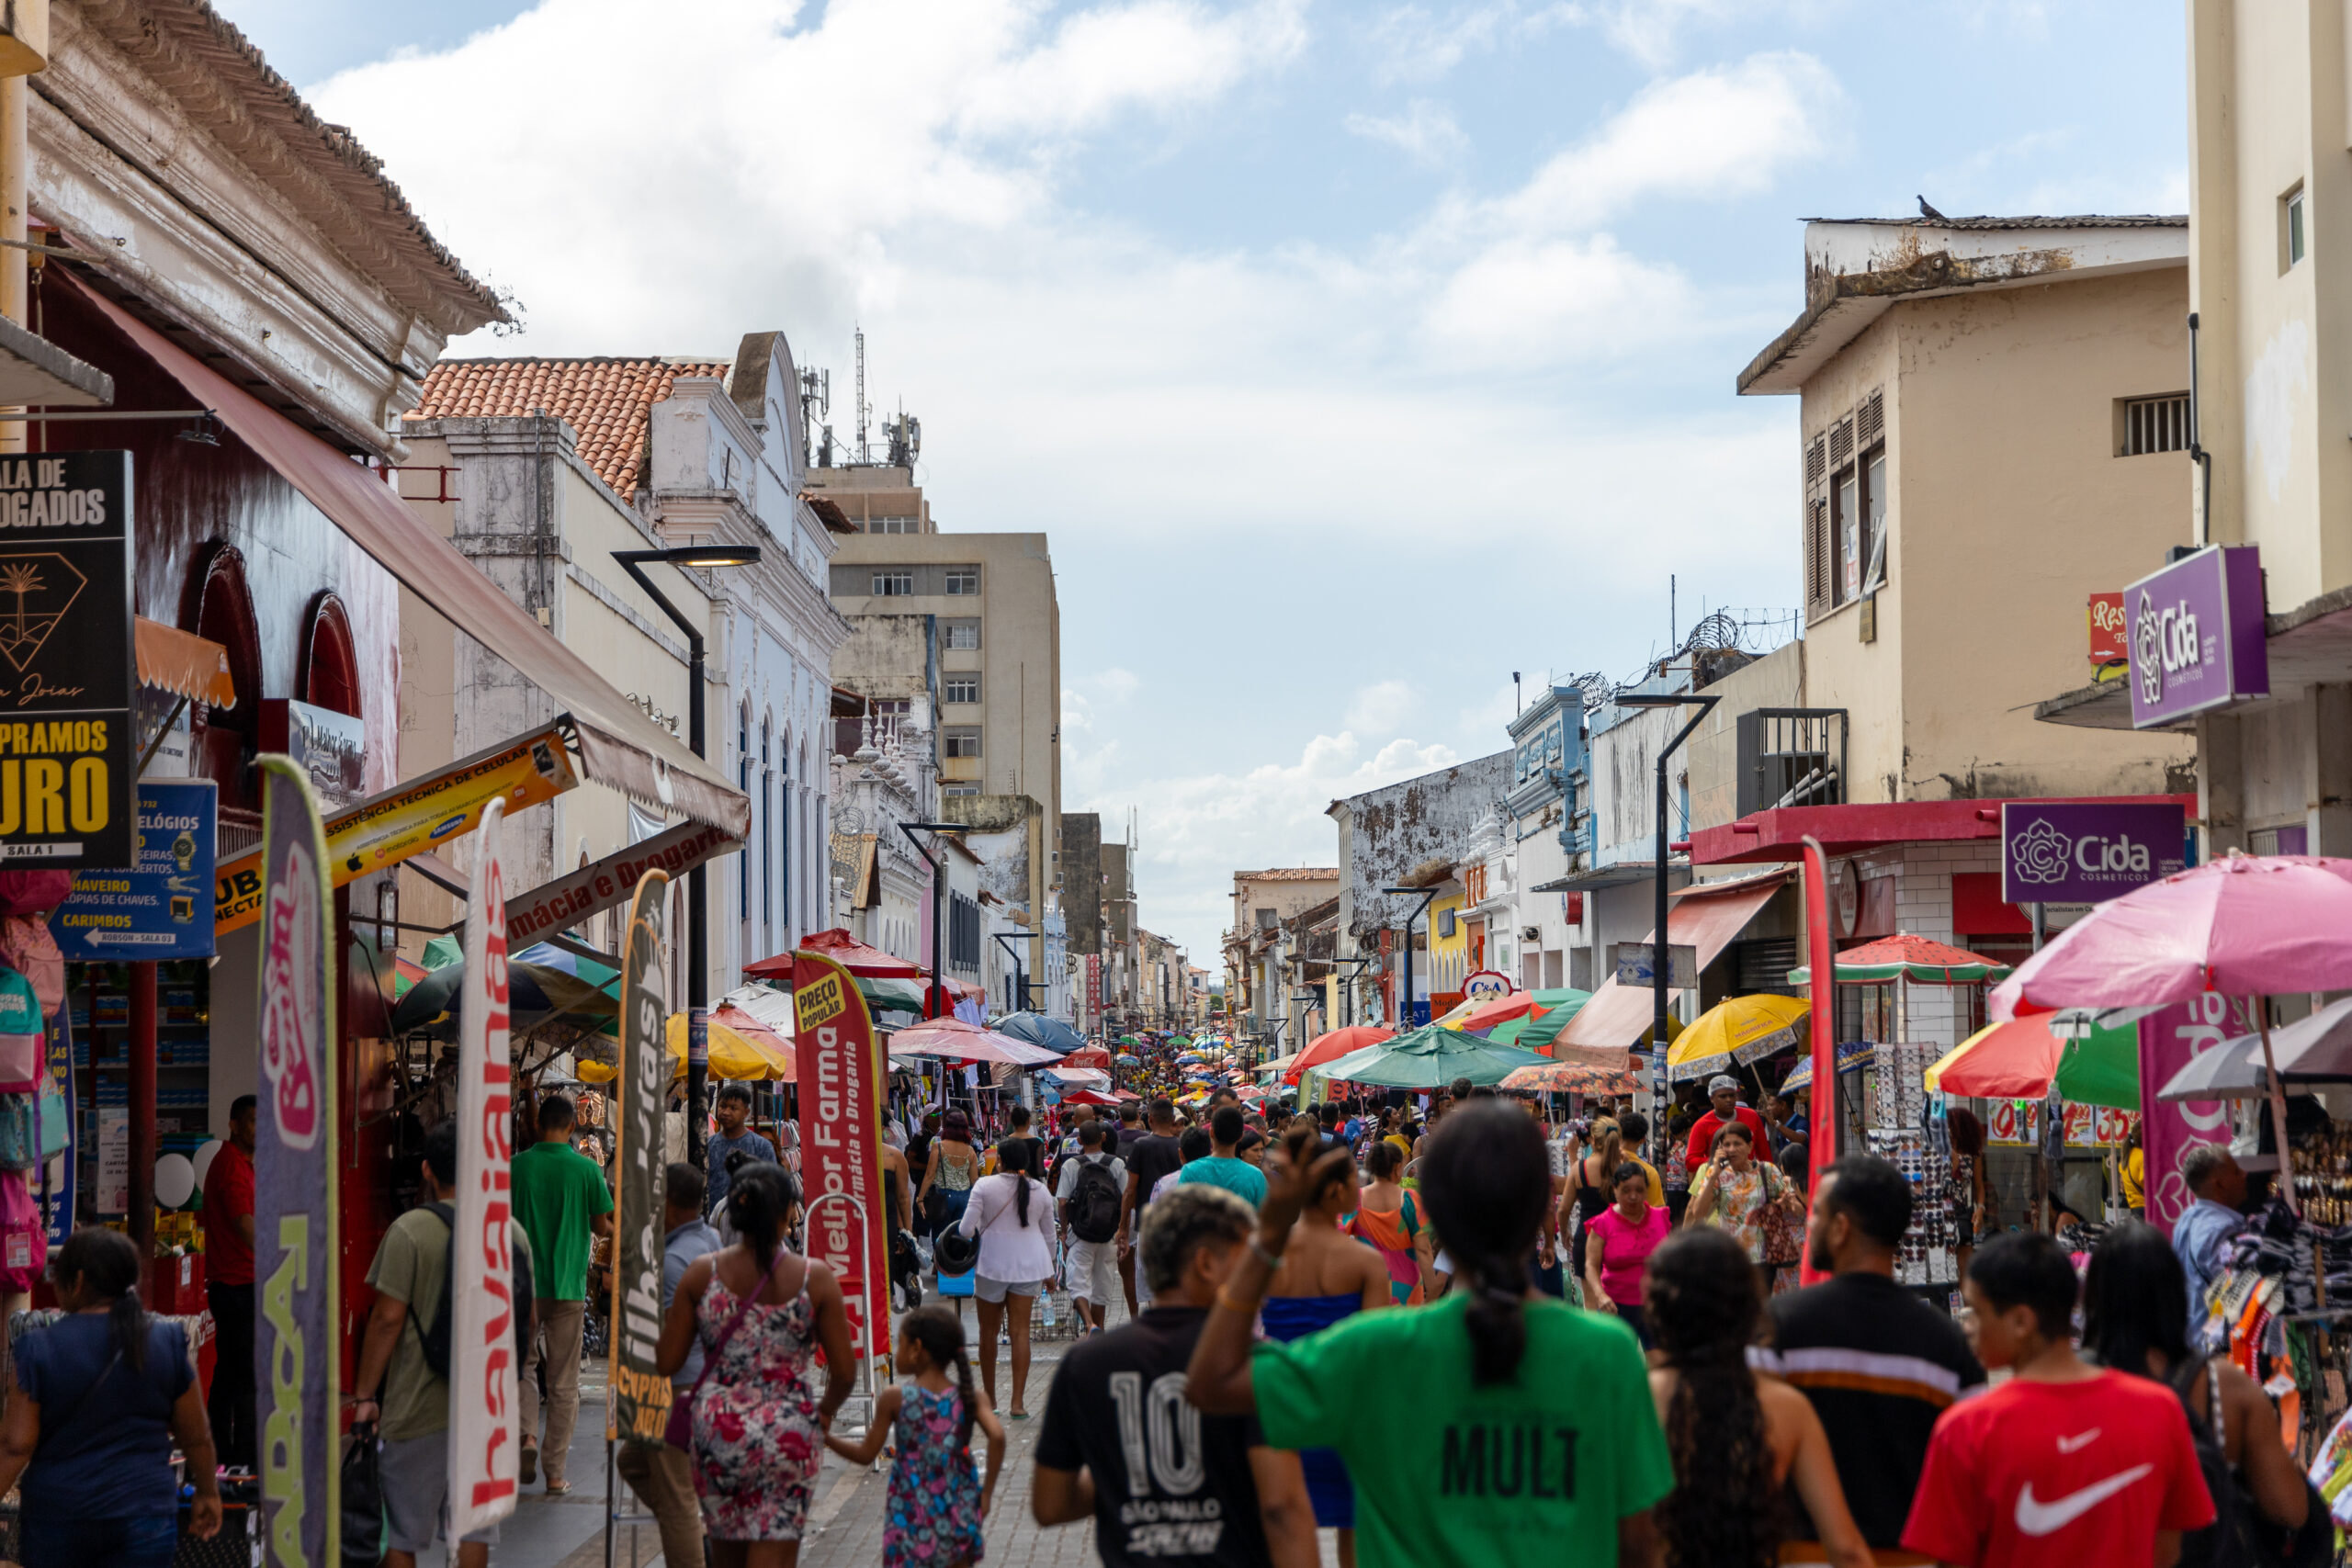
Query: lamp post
[
  {"x": 1429, "y": 897},
  {"x": 1020, "y": 972},
  {"x": 938, "y": 901},
  {"x": 1661, "y": 955},
  {"x": 697, "y": 911}
]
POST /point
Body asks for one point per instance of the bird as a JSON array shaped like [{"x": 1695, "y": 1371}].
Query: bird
[{"x": 1930, "y": 212}]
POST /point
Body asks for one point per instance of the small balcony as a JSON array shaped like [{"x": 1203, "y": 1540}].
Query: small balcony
[{"x": 1791, "y": 757}]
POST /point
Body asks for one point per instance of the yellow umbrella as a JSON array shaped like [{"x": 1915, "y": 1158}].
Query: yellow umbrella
[
  {"x": 742, "y": 1048},
  {"x": 1737, "y": 1031}
]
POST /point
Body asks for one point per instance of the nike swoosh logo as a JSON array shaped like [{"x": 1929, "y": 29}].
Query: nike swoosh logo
[
  {"x": 2047, "y": 1518},
  {"x": 2074, "y": 1444}
]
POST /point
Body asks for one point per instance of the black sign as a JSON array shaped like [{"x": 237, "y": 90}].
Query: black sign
[{"x": 68, "y": 675}]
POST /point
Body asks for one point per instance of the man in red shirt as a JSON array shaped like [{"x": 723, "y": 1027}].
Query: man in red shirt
[
  {"x": 2064, "y": 1465},
  {"x": 229, "y": 1285},
  {"x": 1723, "y": 1093}
]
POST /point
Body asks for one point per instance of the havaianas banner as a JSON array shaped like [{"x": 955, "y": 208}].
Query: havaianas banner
[{"x": 640, "y": 1402}]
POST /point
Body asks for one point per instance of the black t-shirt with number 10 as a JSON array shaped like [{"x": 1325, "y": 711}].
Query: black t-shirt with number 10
[{"x": 1172, "y": 1487}]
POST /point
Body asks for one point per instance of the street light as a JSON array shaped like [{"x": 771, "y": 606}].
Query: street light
[
  {"x": 709, "y": 556},
  {"x": 1429, "y": 897},
  {"x": 938, "y": 901},
  {"x": 1020, "y": 972},
  {"x": 1661, "y": 956}
]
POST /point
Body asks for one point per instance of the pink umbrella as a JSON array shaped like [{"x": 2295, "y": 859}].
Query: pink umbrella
[{"x": 953, "y": 1039}]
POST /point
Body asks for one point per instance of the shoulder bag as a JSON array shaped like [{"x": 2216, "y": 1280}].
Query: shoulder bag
[
  {"x": 1783, "y": 1232},
  {"x": 680, "y": 1430}
]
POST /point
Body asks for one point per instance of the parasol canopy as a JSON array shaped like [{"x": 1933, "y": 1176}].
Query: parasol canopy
[
  {"x": 1737, "y": 1031},
  {"x": 1485, "y": 1014},
  {"x": 1853, "y": 1056},
  {"x": 542, "y": 982},
  {"x": 1091, "y": 1056},
  {"x": 1574, "y": 1077},
  {"x": 954, "y": 1040},
  {"x": 743, "y": 1050},
  {"x": 1430, "y": 1056},
  {"x": 1906, "y": 957},
  {"x": 1553, "y": 1010},
  {"x": 1330, "y": 1047},
  {"x": 1039, "y": 1030},
  {"x": 846, "y": 950},
  {"x": 2317, "y": 1049},
  {"x": 2020, "y": 1060}
]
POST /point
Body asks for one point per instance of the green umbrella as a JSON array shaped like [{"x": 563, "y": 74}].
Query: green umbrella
[
  {"x": 2102, "y": 1068},
  {"x": 1538, "y": 1030},
  {"x": 1430, "y": 1056}
]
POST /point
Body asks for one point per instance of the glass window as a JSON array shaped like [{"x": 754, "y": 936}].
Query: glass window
[
  {"x": 894, "y": 584},
  {"x": 961, "y": 689},
  {"x": 963, "y": 636},
  {"x": 962, "y": 743},
  {"x": 1874, "y": 520},
  {"x": 963, "y": 581},
  {"x": 1849, "y": 520}
]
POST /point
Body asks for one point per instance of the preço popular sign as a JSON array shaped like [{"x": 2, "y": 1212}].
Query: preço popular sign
[
  {"x": 68, "y": 677},
  {"x": 640, "y": 1402},
  {"x": 2196, "y": 636},
  {"x": 2087, "y": 852}
]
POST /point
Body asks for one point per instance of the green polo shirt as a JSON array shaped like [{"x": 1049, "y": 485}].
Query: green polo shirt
[{"x": 558, "y": 1190}]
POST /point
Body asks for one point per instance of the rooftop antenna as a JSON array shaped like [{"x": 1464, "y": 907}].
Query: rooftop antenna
[
  {"x": 816, "y": 403},
  {"x": 864, "y": 454},
  {"x": 1672, "y": 620},
  {"x": 1517, "y": 707}
]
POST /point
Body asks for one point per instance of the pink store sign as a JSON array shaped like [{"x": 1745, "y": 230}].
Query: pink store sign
[{"x": 2170, "y": 1041}]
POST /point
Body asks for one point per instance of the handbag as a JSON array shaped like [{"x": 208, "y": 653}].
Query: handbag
[
  {"x": 363, "y": 1501},
  {"x": 679, "y": 1431},
  {"x": 1783, "y": 1232}
]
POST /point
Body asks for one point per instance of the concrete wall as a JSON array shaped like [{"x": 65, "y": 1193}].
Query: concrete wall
[
  {"x": 1385, "y": 833},
  {"x": 1775, "y": 680},
  {"x": 1081, "y": 881}
]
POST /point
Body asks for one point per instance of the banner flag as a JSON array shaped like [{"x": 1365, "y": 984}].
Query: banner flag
[
  {"x": 484, "y": 1384},
  {"x": 640, "y": 1402},
  {"x": 297, "y": 1252},
  {"x": 2170, "y": 1041},
  {"x": 838, "y": 1073}
]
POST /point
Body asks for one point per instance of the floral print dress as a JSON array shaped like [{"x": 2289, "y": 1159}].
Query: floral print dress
[
  {"x": 933, "y": 1518},
  {"x": 757, "y": 1441}
]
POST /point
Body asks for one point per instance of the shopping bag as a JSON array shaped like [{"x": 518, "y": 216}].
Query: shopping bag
[{"x": 363, "y": 1502}]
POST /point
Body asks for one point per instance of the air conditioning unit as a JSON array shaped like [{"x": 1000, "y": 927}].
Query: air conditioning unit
[{"x": 1530, "y": 934}]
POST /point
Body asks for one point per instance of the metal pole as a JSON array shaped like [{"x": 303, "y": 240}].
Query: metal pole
[
  {"x": 1661, "y": 954},
  {"x": 698, "y": 937}
]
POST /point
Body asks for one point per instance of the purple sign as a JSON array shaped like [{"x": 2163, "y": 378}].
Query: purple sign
[
  {"x": 2196, "y": 634},
  {"x": 2058, "y": 852}
]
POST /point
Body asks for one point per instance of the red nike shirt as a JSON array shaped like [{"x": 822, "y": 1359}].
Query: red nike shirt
[{"x": 2058, "y": 1475}]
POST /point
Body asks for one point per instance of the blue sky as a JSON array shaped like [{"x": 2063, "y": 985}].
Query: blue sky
[{"x": 1353, "y": 356}]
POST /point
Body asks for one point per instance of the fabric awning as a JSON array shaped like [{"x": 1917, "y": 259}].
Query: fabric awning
[
  {"x": 619, "y": 746},
  {"x": 1706, "y": 916},
  {"x": 184, "y": 664}
]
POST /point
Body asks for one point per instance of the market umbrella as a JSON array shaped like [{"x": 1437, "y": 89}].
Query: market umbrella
[
  {"x": 2020, "y": 1060},
  {"x": 1493, "y": 1010},
  {"x": 2314, "y": 1049},
  {"x": 1853, "y": 1056},
  {"x": 1737, "y": 1032},
  {"x": 890, "y": 995},
  {"x": 1088, "y": 1097},
  {"x": 846, "y": 950},
  {"x": 1538, "y": 1030},
  {"x": 1330, "y": 1047},
  {"x": 542, "y": 981},
  {"x": 1430, "y": 1056},
  {"x": 953, "y": 1039},
  {"x": 1903, "y": 957},
  {"x": 743, "y": 1050},
  {"x": 1128, "y": 1059},
  {"x": 2231, "y": 1070},
  {"x": 1574, "y": 1077},
  {"x": 1039, "y": 1030},
  {"x": 405, "y": 973}
]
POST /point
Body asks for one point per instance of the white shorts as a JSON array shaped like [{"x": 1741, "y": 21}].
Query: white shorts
[
  {"x": 993, "y": 1292},
  {"x": 1094, "y": 1271}
]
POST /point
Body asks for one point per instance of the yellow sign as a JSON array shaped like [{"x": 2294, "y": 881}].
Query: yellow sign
[
  {"x": 414, "y": 817},
  {"x": 821, "y": 1001}
]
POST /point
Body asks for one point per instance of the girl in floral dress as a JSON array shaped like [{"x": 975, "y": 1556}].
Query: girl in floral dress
[{"x": 935, "y": 1503}]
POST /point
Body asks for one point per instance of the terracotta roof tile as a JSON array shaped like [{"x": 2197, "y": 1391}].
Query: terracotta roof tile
[
  {"x": 604, "y": 401},
  {"x": 1290, "y": 874}
]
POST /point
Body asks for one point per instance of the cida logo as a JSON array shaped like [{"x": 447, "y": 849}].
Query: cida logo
[{"x": 2040, "y": 854}]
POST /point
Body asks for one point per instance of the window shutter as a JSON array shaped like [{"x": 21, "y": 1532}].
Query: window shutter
[
  {"x": 1871, "y": 417},
  {"x": 1841, "y": 444},
  {"x": 1817, "y": 553}
]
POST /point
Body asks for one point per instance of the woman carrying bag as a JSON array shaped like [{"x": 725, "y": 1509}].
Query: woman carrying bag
[{"x": 1751, "y": 1199}]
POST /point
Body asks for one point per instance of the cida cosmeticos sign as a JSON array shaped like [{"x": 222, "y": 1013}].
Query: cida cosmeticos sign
[
  {"x": 2196, "y": 636},
  {"x": 2060, "y": 851}
]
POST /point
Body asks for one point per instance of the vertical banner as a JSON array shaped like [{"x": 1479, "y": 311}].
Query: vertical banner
[
  {"x": 58, "y": 1171},
  {"x": 839, "y": 1068},
  {"x": 641, "y": 1403},
  {"x": 297, "y": 1253},
  {"x": 1821, "y": 958},
  {"x": 2170, "y": 1041},
  {"x": 484, "y": 1383}
]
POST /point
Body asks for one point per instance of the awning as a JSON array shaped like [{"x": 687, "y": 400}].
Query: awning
[
  {"x": 184, "y": 664},
  {"x": 1706, "y": 916},
  {"x": 619, "y": 746}
]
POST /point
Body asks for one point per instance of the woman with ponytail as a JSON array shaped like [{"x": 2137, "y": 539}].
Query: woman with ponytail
[
  {"x": 1013, "y": 1213},
  {"x": 1737, "y": 1437},
  {"x": 102, "y": 1392},
  {"x": 935, "y": 1504},
  {"x": 1532, "y": 1430},
  {"x": 761, "y": 1312}
]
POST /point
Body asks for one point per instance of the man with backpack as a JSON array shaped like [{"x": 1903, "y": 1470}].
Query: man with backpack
[
  {"x": 404, "y": 1353},
  {"x": 1092, "y": 1194}
]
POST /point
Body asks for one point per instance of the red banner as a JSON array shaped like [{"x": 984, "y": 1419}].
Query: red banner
[
  {"x": 840, "y": 1074},
  {"x": 1821, "y": 957}
]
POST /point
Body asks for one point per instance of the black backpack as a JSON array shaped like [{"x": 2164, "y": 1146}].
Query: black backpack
[
  {"x": 436, "y": 1339},
  {"x": 2224, "y": 1543},
  {"x": 1094, "y": 1202}
]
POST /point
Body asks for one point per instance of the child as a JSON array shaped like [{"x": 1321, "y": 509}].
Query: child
[{"x": 935, "y": 1507}]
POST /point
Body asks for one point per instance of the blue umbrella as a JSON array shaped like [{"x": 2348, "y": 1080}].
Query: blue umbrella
[{"x": 1038, "y": 1030}]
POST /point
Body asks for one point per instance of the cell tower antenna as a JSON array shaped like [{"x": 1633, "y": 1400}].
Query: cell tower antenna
[{"x": 864, "y": 454}]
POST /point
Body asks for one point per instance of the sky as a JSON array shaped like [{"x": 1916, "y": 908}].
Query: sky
[{"x": 1352, "y": 356}]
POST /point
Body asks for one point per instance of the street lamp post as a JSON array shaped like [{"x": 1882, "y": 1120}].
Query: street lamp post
[
  {"x": 1020, "y": 972},
  {"x": 1429, "y": 897},
  {"x": 1661, "y": 955},
  {"x": 938, "y": 902},
  {"x": 697, "y": 910}
]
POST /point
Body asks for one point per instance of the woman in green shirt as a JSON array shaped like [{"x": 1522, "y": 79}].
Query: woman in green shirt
[{"x": 1534, "y": 1435}]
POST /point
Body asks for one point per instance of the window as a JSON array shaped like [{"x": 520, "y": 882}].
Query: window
[
  {"x": 768, "y": 825},
  {"x": 963, "y": 743},
  {"x": 963, "y": 932},
  {"x": 2291, "y": 228},
  {"x": 1268, "y": 919},
  {"x": 961, "y": 689},
  {"x": 895, "y": 583},
  {"x": 963, "y": 581},
  {"x": 1873, "y": 519},
  {"x": 1844, "y": 508},
  {"x": 953, "y": 791},
  {"x": 2155, "y": 425},
  {"x": 963, "y": 637},
  {"x": 892, "y": 526}
]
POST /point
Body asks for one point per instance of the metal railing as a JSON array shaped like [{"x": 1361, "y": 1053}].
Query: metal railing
[{"x": 1791, "y": 757}]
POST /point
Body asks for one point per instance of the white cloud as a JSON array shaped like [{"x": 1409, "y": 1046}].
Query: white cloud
[
  {"x": 1411, "y": 44},
  {"x": 1425, "y": 132},
  {"x": 1526, "y": 303},
  {"x": 1381, "y": 708}
]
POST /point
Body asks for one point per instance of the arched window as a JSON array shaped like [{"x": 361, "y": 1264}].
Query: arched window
[
  {"x": 767, "y": 810},
  {"x": 219, "y": 609},
  {"x": 743, "y": 783},
  {"x": 329, "y": 661},
  {"x": 781, "y": 847}
]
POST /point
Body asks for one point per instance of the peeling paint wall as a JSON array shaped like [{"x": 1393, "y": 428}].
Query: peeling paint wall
[
  {"x": 1387, "y": 833},
  {"x": 1083, "y": 881}
]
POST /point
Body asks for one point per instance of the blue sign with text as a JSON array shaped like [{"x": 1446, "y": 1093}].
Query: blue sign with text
[{"x": 161, "y": 906}]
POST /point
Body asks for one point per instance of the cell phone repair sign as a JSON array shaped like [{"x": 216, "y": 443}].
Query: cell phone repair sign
[{"x": 68, "y": 676}]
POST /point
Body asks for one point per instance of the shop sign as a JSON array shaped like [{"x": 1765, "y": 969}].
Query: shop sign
[
  {"x": 380, "y": 833},
  {"x": 1636, "y": 965},
  {"x": 112, "y": 1195},
  {"x": 609, "y": 882},
  {"x": 2170, "y": 1041},
  {"x": 154, "y": 909},
  {"x": 2056, "y": 852},
  {"x": 839, "y": 1070},
  {"x": 2197, "y": 635},
  {"x": 484, "y": 1386},
  {"x": 1483, "y": 985},
  {"x": 640, "y": 1409},
  {"x": 297, "y": 1253},
  {"x": 68, "y": 742},
  {"x": 329, "y": 746},
  {"x": 57, "y": 1186},
  {"x": 2110, "y": 642}
]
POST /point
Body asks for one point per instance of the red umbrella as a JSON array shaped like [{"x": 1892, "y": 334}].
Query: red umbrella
[
  {"x": 1091, "y": 1056},
  {"x": 846, "y": 950},
  {"x": 1088, "y": 1097},
  {"x": 1332, "y": 1046},
  {"x": 1502, "y": 1010}
]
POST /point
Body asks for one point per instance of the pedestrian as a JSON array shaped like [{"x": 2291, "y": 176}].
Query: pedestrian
[
  {"x": 1169, "y": 1488},
  {"x": 936, "y": 1505},
  {"x": 1388, "y": 1221},
  {"x": 1131, "y": 1130},
  {"x": 562, "y": 1204},
  {"x": 2135, "y": 1320},
  {"x": 1018, "y": 1130},
  {"x": 919, "y": 1164},
  {"x": 1592, "y": 1176},
  {"x": 1972, "y": 1189},
  {"x": 1635, "y": 1130},
  {"x": 1616, "y": 1256},
  {"x": 1158, "y": 1153},
  {"x": 403, "y": 1401},
  {"x": 1784, "y": 1122},
  {"x": 948, "y": 1176},
  {"x": 760, "y": 1313},
  {"x": 2217, "y": 1186},
  {"x": 660, "y": 1475},
  {"x": 1530, "y": 1421},
  {"x": 1737, "y": 1193},
  {"x": 2063, "y": 1465},
  {"x": 229, "y": 1285},
  {"x": 1223, "y": 1166},
  {"x": 1739, "y": 1437},
  {"x": 1091, "y": 1199},
  {"x": 2134, "y": 1173},
  {"x": 1011, "y": 1212},
  {"x": 732, "y": 1109},
  {"x": 1879, "y": 1364},
  {"x": 1723, "y": 1099},
  {"x": 1326, "y": 1275},
  {"x": 902, "y": 1258},
  {"x": 1252, "y": 1150},
  {"x": 102, "y": 1394}
]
